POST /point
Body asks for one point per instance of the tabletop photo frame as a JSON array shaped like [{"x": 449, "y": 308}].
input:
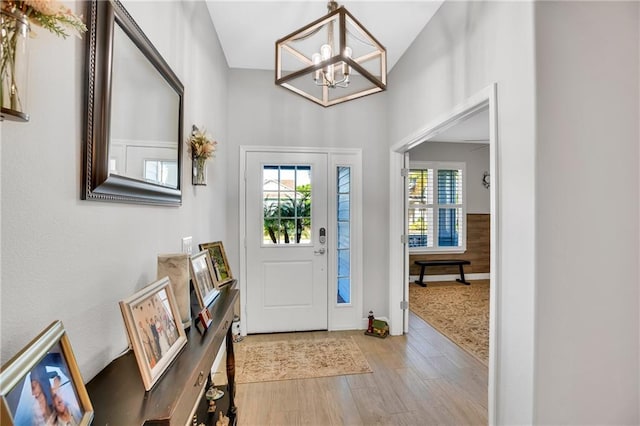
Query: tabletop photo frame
[
  {"x": 204, "y": 320},
  {"x": 42, "y": 384},
  {"x": 204, "y": 282},
  {"x": 222, "y": 271},
  {"x": 152, "y": 320}
]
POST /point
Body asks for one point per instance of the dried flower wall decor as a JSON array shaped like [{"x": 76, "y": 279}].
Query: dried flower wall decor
[{"x": 202, "y": 147}]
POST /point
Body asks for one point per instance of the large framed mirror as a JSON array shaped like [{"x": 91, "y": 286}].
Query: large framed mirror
[{"x": 134, "y": 108}]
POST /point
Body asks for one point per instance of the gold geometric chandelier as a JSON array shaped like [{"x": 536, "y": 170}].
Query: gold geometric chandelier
[{"x": 333, "y": 59}]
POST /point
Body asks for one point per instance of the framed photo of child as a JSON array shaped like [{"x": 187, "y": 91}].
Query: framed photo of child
[{"x": 42, "y": 385}]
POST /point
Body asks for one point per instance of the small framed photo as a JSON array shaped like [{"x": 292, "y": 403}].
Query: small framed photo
[
  {"x": 221, "y": 268},
  {"x": 150, "y": 317},
  {"x": 42, "y": 384},
  {"x": 203, "y": 279},
  {"x": 204, "y": 320}
]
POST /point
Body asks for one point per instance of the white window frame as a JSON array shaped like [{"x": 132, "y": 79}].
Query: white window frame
[
  {"x": 347, "y": 316},
  {"x": 444, "y": 165}
]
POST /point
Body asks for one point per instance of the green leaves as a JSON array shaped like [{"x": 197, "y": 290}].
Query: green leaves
[{"x": 59, "y": 24}]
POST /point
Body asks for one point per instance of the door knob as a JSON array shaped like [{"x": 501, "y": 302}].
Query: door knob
[{"x": 321, "y": 251}]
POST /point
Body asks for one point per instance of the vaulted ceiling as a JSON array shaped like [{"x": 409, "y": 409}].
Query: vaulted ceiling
[{"x": 248, "y": 29}]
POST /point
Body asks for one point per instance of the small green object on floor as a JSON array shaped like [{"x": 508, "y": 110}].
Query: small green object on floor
[{"x": 380, "y": 329}]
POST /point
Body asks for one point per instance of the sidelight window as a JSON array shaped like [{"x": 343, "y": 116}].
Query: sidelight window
[{"x": 343, "y": 251}]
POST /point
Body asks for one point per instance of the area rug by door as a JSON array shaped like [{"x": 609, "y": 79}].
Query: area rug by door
[
  {"x": 460, "y": 312},
  {"x": 298, "y": 359}
]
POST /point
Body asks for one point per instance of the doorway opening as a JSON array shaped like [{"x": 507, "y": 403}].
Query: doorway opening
[{"x": 400, "y": 235}]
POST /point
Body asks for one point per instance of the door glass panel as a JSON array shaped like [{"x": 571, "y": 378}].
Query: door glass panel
[
  {"x": 344, "y": 288},
  {"x": 287, "y": 226},
  {"x": 343, "y": 235},
  {"x": 343, "y": 263},
  {"x": 343, "y": 249},
  {"x": 344, "y": 180},
  {"x": 286, "y": 195},
  {"x": 343, "y": 207}
]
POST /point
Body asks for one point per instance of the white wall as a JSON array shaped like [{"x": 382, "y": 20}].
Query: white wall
[
  {"x": 476, "y": 158},
  {"x": 587, "y": 230},
  {"x": 465, "y": 48},
  {"x": 73, "y": 260},
  {"x": 568, "y": 350},
  {"x": 260, "y": 113}
]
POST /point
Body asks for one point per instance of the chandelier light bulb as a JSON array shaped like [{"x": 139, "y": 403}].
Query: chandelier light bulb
[
  {"x": 315, "y": 58},
  {"x": 325, "y": 50},
  {"x": 346, "y": 69}
]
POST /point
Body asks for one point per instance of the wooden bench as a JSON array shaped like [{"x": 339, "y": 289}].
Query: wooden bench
[{"x": 443, "y": 262}]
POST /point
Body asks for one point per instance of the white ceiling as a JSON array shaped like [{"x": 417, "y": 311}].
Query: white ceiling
[
  {"x": 248, "y": 30},
  {"x": 473, "y": 129}
]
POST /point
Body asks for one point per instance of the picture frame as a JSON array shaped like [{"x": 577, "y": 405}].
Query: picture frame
[
  {"x": 42, "y": 383},
  {"x": 152, "y": 320},
  {"x": 204, "y": 320},
  {"x": 202, "y": 276},
  {"x": 222, "y": 271}
]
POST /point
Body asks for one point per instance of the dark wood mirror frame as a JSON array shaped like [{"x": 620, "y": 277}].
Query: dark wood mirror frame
[{"x": 98, "y": 183}]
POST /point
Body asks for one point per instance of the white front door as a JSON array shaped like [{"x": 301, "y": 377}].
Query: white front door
[{"x": 286, "y": 241}]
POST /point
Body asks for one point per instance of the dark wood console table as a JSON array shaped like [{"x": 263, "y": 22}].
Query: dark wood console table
[{"x": 117, "y": 392}]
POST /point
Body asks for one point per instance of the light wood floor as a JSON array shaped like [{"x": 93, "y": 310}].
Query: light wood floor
[{"x": 418, "y": 379}]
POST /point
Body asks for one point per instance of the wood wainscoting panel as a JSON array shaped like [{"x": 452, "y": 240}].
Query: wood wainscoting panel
[{"x": 478, "y": 250}]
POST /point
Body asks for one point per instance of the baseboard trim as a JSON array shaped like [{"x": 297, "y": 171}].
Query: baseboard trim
[{"x": 450, "y": 277}]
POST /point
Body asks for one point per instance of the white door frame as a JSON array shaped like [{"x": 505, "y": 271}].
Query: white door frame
[
  {"x": 340, "y": 317},
  {"x": 399, "y": 285}
]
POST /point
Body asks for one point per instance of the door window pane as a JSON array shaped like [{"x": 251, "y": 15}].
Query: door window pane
[
  {"x": 343, "y": 207},
  {"x": 344, "y": 290},
  {"x": 344, "y": 179},
  {"x": 286, "y": 195},
  {"x": 343, "y": 235},
  {"x": 344, "y": 266}
]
